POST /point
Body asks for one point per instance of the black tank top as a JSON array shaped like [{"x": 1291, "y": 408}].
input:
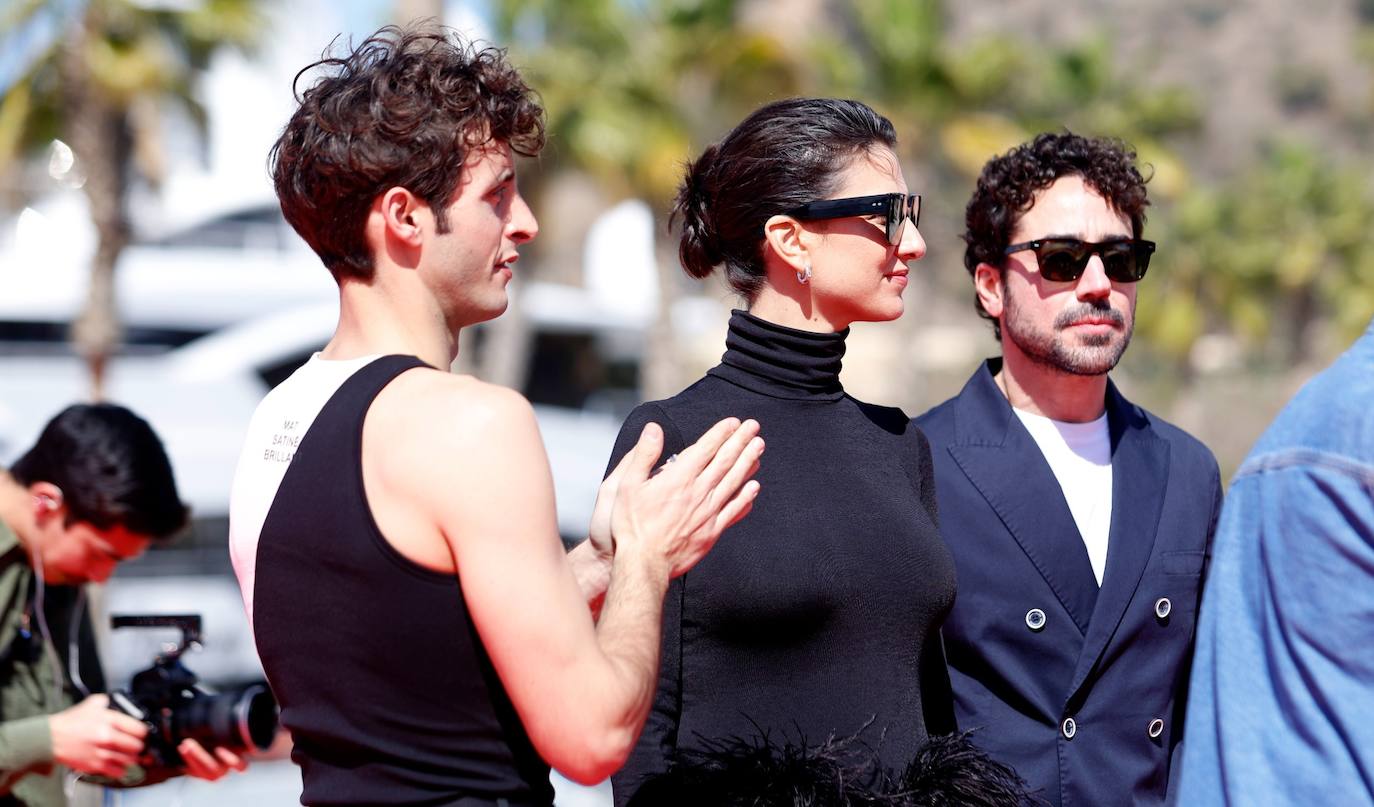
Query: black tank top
[{"x": 384, "y": 684}]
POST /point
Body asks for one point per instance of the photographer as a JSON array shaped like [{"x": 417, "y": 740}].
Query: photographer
[{"x": 94, "y": 490}]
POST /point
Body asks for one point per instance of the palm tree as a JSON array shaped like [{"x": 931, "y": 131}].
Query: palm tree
[{"x": 97, "y": 89}]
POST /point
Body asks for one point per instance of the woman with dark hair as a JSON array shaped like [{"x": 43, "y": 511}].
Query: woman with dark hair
[{"x": 812, "y": 627}]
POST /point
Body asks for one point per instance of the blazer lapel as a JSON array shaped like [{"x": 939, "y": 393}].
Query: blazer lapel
[
  {"x": 1005, "y": 465},
  {"x": 1140, "y": 475}
]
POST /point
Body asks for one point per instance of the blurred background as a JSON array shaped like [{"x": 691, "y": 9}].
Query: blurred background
[{"x": 143, "y": 258}]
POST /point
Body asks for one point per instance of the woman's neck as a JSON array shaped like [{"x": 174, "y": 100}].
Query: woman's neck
[{"x": 792, "y": 311}]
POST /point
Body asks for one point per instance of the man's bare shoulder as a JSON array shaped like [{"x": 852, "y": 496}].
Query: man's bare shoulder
[
  {"x": 431, "y": 410},
  {"x": 460, "y": 452}
]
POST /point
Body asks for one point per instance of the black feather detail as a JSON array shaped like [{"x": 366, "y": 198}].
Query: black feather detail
[
  {"x": 840, "y": 772},
  {"x": 949, "y": 771}
]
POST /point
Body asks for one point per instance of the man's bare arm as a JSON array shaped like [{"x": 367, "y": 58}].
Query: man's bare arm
[
  {"x": 582, "y": 690},
  {"x": 592, "y": 570}
]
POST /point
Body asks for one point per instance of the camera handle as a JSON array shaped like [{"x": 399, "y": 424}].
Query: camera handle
[
  {"x": 188, "y": 624},
  {"x": 123, "y": 703}
]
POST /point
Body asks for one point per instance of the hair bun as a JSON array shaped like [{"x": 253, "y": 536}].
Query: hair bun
[{"x": 699, "y": 249}]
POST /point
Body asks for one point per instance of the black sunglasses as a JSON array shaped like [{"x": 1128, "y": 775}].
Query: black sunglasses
[
  {"x": 895, "y": 208},
  {"x": 1064, "y": 259}
]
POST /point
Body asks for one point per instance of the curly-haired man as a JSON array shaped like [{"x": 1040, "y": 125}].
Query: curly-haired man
[
  {"x": 1079, "y": 522},
  {"x": 392, "y": 524}
]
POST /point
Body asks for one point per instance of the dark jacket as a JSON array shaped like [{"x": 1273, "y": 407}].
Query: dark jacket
[{"x": 1081, "y": 690}]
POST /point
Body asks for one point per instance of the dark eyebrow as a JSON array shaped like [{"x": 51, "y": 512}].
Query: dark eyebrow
[{"x": 1075, "y": 237}]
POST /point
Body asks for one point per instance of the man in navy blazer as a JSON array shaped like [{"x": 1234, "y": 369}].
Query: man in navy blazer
[{"x": 1079, "y": 522}]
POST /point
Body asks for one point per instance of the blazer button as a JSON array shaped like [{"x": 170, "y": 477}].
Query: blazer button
[
  {"x": 1069, "y": 728},
  {"x": 1163, "y": 607},
  {"x": 1035, "y": 619},
  {"x": 1156, "y": 728}
]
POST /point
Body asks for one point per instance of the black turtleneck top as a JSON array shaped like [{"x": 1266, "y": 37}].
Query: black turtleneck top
[{"x": 818, "y": 614}]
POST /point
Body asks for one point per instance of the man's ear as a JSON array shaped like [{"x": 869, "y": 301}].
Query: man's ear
[
  {"x": 788, "y": 239},
  {"x": 48, "y": 502},
  {"x": 404, "y": 215},
  {"x": 987, "y": 284}
]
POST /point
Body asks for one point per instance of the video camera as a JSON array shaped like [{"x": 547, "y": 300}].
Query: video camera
[{"x": 167, "y": 698}]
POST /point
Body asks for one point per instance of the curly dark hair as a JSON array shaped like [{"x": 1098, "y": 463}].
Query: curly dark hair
[
  {"x": 403, "y": 109},
  {"x": 111, "y": 468},
  {"x": 1008, "y": 185},
  {"x": 784, "y": 154}
]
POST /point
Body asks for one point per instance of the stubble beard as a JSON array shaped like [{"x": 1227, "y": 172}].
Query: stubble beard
[{"x": 1096, "y": 354}]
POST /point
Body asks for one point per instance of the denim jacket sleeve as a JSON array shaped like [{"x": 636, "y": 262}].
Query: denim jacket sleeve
[{"x": 1281, "y": 671}]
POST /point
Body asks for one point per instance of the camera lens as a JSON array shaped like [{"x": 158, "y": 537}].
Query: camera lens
[
  {"x": 239, "y": 719},
  {"x": 256, "y": 713}
]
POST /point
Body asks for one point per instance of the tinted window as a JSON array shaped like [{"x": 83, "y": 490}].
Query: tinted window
[
  {"x": 567, "y": 369},
  {"x": 258, "y": 228},
  {"x": 201, "y": 549},
  {"x": 26, "y": 338}
]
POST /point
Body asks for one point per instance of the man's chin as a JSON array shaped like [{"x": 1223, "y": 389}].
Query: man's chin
[
  {"x": 498, "y": 309},
  {"x": 1091, "y": 354},
  {"x": 1090, "y": 361},
  {"x": 487, "y": 313}
]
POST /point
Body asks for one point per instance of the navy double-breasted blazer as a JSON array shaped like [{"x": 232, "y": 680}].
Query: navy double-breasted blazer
[{"x": 1081, "y": 690}]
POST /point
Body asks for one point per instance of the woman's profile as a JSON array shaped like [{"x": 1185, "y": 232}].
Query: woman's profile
[{"x": 817, "y": 617}]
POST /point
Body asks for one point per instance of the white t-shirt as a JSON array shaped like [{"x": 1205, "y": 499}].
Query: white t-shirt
[
  {"x": 1080, "y": 454},
  {"x": 278, "y": 425}
]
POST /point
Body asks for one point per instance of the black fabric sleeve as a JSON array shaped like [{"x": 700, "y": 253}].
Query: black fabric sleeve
[
  {"x": 937, "y": 694},
  {"x": 656, "y": 743},
  {"x": 630, "y": 430}
]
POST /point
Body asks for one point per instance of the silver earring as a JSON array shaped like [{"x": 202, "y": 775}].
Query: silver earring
[{"x": 804, "y": 276}]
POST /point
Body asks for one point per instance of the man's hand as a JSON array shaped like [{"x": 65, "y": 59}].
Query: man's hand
[
  {"x": 599, "y": 531},
  {"x": 675, "y": 516},
  {"x": 591, "y": 560},
  {"x": 203, "y": 765},
  {"x": 90, "y": 737}
]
